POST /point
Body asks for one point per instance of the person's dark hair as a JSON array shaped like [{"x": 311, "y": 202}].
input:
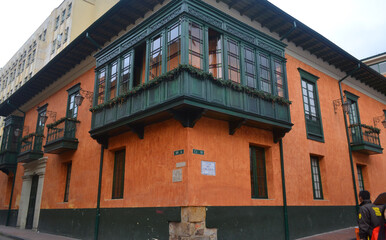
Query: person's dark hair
[{"x": 365, "y": 195}]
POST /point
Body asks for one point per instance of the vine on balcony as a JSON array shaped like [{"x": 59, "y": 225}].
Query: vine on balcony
[
  {"x": 371, "y": 128},
  {"x": 23, "y": 139},
  {"x": 198, "y": 73},
  {"x": 56, "y": 123}
]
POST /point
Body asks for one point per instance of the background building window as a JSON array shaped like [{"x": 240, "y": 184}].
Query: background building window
[
  {"x": 119, "y": 174},
  {"x": 258, "y": 172},
  {"x": 195, "y": 45},
  {"x": 69, "y": 10},
  {"x": 68, "y": 178},
  {"x": 316, "y": 178},
  {"x": 174, "y": 47}
]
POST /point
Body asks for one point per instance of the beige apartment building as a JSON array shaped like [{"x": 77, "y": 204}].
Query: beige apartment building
[
  {"x": 377, "y": 62},
  {"x": 64, "y": 24}
]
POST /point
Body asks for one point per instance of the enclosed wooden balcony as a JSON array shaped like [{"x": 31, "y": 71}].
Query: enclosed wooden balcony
[
  {"x": 61, "y": 136},
  {"x": 188, "y": 94},
  {"x": 365, "y": 139},
  {"x": 10, "y": 143},
  {"x": 31, "y": 148}
]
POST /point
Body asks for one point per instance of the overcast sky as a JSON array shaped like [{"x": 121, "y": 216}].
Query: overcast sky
[{"x": 357, "y": 26}]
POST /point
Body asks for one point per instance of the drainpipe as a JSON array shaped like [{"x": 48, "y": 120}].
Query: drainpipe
[
  {"x": 14, "y": 174},
  {"x": 98, "y": 210},
  {"x": 289, "y": 32},
  {"x": 348, "y": 137},
  {"x": 286, "y": 228}
]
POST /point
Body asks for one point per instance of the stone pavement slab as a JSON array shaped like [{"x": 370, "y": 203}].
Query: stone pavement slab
[{"x": 23, "y": 234}]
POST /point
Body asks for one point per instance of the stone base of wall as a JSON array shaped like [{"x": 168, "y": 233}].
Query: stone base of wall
[{"x": 192, "y": 226}]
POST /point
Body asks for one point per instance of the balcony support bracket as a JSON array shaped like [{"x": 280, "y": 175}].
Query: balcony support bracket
[
  {"x": 139, "y": 130},
  {"x": 278, "y": 134},
  {"x": 234, "y": 125},
  {"x": 188, "y": 117},
  {"x": 104, "y": 141}
]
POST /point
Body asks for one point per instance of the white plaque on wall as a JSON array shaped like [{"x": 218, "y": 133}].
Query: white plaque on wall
[
  {"x": 208, "y": 168},
  {"x": 177, "y": 175}
]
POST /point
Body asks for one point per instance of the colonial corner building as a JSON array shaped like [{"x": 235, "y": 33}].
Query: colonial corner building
[{"x": 190, "y": 119}]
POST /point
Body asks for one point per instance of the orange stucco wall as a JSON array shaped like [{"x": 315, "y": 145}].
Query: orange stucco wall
[{"x": 149, "y": 163}]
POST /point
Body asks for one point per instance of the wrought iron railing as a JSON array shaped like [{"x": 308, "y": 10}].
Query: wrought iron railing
[
  {"x": 31, "y": 143},
  {"x": 362, "y": 134},
  {"x": 64, "y": 128}
]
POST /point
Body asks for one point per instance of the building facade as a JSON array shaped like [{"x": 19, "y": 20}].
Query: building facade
[{"x": 185, "y": 119}]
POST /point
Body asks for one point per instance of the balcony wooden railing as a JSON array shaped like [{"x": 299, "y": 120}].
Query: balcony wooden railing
[
  {"x": 31, "y": 147},
  {"x": 365, "y": 139},
  {"x": 61, "y": 136}
]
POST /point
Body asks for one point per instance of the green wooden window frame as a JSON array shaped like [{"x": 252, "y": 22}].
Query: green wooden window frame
[
  {"x": 312, "y": 113},
  {"x": 118, "y": 175},
  {"x": 196, "y": 45},
  {"x": 156, "y": 55},
  {"x": 112, "y": 83},
  {"x": 39, "y": 124},
  {"x": 353, "y": 114},
  {"x": 173, "y": 46},
  {"x": 72, "y": 108},
  {"x": 360, "y": 178},
  {"x": 68, "y": 179},
  {"x": 101, "y": 85},
  {"x": 126, "y": 75},
  {"x": 258, "y": 172},
  {"x": 316, "y": 178},
  {"x": 233, "y": 52}
]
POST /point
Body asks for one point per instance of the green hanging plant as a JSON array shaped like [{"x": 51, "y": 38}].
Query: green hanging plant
[
  {"x": 370, "y": 128},
  {"x": 195, "y": 72},
  {"x": 56, "y": 123}
]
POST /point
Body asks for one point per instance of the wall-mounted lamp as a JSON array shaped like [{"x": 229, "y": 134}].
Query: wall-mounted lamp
[
  {"x": 79, "y": 97},
  {"x": 379, "y": 119},
  {"x": 51, "y": 114},
  {"x": 345, "y": 105}
]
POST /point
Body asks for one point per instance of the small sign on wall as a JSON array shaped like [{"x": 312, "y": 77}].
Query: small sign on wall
[
  {"x": 177, "y": 175},
  {"x": 178, "y": 152},
  {"x": 208, "y": 168}
]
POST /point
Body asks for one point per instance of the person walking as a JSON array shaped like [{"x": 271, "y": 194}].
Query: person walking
[{"x": 370, "y": 216}]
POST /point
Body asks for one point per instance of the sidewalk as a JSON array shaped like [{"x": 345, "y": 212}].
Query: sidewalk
[
  {"x": 341, "y": 234},
  {"x": 22, "y": 234}
]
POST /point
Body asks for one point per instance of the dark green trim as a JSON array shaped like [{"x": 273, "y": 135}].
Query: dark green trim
[
  {"x": 266, "y": 222},
  {"x": 367, "y": 149},
  {"x": 360, "y": 177},
  {"x": 115, "y": 223},
  {"x": 351, "y": 96},
  {"x": 97, "y": 216},
  {"x": 309, "y": 76},
  {"x": 61, "y": 145},
  {"x": 73, "y": 89}
]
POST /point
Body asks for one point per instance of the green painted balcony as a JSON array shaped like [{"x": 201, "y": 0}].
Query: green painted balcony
[
  {"x": 31, "y": 148},
  {"x": 365, "y": 139},
  {"x": 186, "y": 96},
  {"x": 10, "y": 143},
  {"x": 61, "y": 136}
]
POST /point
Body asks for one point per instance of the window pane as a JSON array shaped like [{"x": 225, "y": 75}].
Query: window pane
[
  {"x": 215, "y": 53},
  {"x": 258, "y": 172},
  {"x": 113, "y": 80},
  {"x": 119, "y": 174},
  {"x": 265, "y": 76},
  {"x": 360, "y": 178},
  {"x": 195, "y": 45},
  {"x": 72, "y": 110},
  {"x": 101, "y": 86},
  {"x": 68, "y": 178},
  {"x": 233, "y": 61},
  {"x": 174, "y": 47},
  {"x": 279, "y": 78},
  {"x": 156, "y": 57},
  {"x": 125, "y": 74},
  {"x": 316, "y": 180}
]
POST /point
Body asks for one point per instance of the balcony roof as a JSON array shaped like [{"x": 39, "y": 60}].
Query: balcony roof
[{"x": 125, "y": 12}]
